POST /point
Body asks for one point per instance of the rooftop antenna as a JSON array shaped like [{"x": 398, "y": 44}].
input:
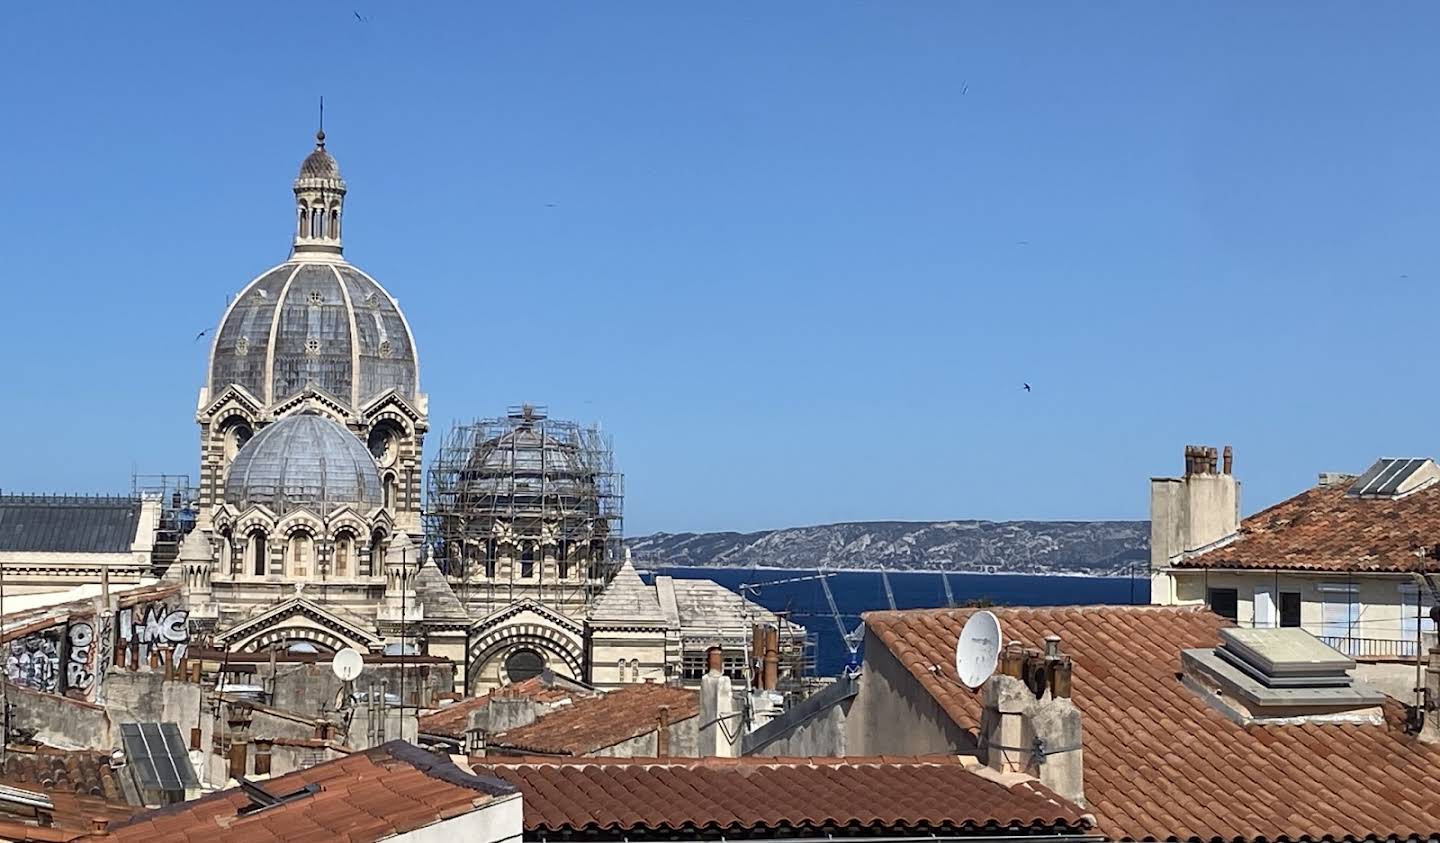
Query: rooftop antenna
[{"x": 978, "y": 650}]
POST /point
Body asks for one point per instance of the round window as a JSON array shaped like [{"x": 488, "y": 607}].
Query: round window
[
  {"x": 384, "y": 444},
  {"x": 312, "y": 346},
  {"x": 523, "y": 664}
]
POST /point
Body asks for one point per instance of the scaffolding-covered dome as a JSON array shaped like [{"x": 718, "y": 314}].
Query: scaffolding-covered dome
[{"x": 303, "y": 460}]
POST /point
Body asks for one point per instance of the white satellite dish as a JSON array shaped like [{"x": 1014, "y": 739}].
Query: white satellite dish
[
  {"x": 978, "y": 650},
  {"x": 348, "y": 664}
]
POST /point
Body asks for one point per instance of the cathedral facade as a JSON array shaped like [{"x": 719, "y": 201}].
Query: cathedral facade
[{"x": 311, "y": 530}]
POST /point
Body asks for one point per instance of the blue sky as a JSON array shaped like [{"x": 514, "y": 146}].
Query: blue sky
[{"x": 801, "y": 255}]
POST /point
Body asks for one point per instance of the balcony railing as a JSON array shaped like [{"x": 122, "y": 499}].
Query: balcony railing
[{"x": 1379, "y": 649}]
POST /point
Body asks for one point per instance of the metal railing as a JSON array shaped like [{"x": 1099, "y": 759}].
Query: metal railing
[{"x": 1379, "y": 649}]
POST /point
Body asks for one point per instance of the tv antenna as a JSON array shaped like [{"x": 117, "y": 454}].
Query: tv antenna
[{"x": 978, "y": 650}]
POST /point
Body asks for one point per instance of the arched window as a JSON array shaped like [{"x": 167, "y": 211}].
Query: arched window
[
  {"x": 227, "y": 553},
  {"x": 335, "y": 223},
  {"x": 527, "y": 560},
  {"x": 344, "y": 550},
  {"x": 235, "y": 434},
  {"x": 317, "y": 222},
  {"x": 257, "y": 552},
  {"x": 377, "y": 552},
  {"x": 634, "y": 670},
  {"x": 304, "y": 221},
  {"x": 562, "y": 558},
  {"x": 390, "y": 492},
  {"x": 301, "y": 550}
]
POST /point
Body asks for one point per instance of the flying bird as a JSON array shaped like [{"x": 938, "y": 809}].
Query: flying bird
[
  {"x": 963, "y": 88},
  {"x": 201, "y": 334},
  {"x": 361, "y": 18},
  {"x": 1025, "y": 386}
]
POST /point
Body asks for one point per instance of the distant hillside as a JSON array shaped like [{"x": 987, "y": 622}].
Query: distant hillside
[{"x": 1080, "y": 547}]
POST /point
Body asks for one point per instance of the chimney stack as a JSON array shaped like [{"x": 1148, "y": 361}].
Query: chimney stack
[
  {"x": 662, "y": 733},
  {"x": 1194, "y": 511},
  {"x": 1029, "y": 725},
  {"x": 717, "y": 710}
]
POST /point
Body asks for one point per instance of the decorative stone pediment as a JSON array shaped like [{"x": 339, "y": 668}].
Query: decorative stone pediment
[
  {"x": 523, "y": 607},
  {"x": 232, "y": 399},
  {"x": 257, "y": 516},
  {"x": 303, "y": 518},
  {"x": 313, "y": 397},
  {"x": 526, "y": 625},
  {"x": 299, "y": 619},
  {"x": 392, "y": 405}
]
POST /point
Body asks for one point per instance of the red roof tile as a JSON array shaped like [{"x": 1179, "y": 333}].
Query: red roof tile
[
  {"x": 633, "y": 796},
  {"x": 1161, "y": 764},
  {"x": 452, "y": 720},
  {"x": 372, "y": 795},
  {"x": 80, "y": 784},
  {"x": 1323, "y": 529},
  {"x": 592, "y": 725}
]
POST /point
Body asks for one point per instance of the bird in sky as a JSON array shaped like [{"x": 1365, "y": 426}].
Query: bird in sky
[
  {"x": 963, "y": 88},
  {"x": 361, "y": 18},
  {"x": 549, "y": 204},
  {"x": 201, "y": 334},
  {"x": 1025, "y": 386}
]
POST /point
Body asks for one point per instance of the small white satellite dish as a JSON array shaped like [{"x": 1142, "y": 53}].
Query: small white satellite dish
[
  {"x": 348, "y": 664},
  {"x": 978, "y": 650}
]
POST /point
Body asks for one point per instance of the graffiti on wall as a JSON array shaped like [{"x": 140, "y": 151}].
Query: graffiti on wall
[
  {"x": 80, "y": 657},
  {"x": 34, "y": 661},
  {"x": 155, "y": 627},
  {"x": 104, "y": 653}
]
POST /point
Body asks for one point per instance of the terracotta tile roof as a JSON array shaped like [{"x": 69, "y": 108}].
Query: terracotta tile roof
[
  {"x": 372, "y": 795},
  {"x": 452, "y": 720},
  {"x": 1161, "y": 764},
  {"x": 80, "y": 784},
  {"x": 633, "y": 796},
  {"x": 591, "y": 725},
  {"x": 1323, "y": 529}
]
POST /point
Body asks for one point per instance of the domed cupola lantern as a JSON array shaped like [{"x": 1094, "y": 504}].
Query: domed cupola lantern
[{"x": 319, "y": 203}]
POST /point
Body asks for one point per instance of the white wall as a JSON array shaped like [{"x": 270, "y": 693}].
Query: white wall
[
  {"x": 1386, "y": 603},
  {"x": 498, "y": 821}
]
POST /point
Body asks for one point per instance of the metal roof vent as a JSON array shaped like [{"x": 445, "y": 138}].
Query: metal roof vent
[
  {"x": 1395, "y": 478},
  {"x": 1280, "y": 676}
]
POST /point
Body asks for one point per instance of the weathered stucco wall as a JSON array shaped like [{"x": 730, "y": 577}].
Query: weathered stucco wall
[{"x": 893, "y": 715}]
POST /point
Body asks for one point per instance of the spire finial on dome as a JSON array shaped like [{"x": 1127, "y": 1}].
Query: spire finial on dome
[{"x": 319, "y": 197}]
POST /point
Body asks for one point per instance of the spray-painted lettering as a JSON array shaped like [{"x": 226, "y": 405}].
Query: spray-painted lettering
[
  {"x": 157, "y": 626},
  {"x": 79, "y": 675},
  {"x": 34, "y": 661}
]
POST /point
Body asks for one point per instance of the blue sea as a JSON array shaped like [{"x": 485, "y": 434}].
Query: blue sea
[{"x": 863, "y": 591}]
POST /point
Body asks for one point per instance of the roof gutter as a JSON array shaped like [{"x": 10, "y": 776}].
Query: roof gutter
[
  {"x": 1047, "y": 837},
  {"x": 1317, "y": 573}
]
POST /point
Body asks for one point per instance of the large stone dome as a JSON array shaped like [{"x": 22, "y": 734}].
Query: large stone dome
[
  {"x": 315, "y": 320},
  {"x": 323, "y": 324},
  {"x": 304, "y": 460}
]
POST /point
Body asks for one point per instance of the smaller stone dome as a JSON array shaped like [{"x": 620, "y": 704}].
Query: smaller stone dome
[
  {"x": 304, "y": 460},
  {"x": 320, "y": 164}
]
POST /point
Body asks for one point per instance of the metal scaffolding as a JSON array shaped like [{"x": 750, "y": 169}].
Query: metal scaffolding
[{"x": 538, "y": 494}]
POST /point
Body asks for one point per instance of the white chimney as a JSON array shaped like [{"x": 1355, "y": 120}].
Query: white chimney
[{"x": 1194, "y": 511}]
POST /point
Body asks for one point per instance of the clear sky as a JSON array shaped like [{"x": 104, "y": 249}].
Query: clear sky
[{"x": 798, "y": 258}]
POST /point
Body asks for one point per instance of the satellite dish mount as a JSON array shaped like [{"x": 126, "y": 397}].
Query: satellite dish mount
[{"x": 978, "y": 651}]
